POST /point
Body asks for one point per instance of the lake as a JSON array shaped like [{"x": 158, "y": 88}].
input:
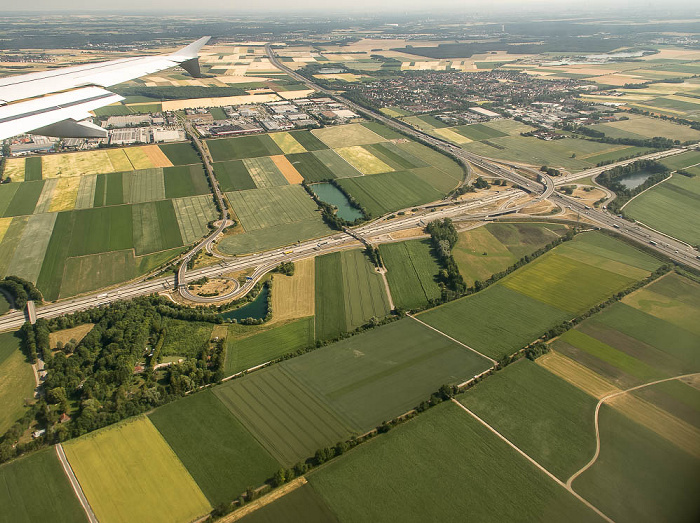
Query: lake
[
  {"x": 329, "y": 193},
  {"x": 256, "y": 309},
  {"x": 634, "y": 180}
]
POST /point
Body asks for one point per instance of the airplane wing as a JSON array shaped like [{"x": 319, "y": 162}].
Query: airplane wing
[{"x": 53, "y": 103}]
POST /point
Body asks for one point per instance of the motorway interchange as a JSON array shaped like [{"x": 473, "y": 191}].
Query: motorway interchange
[{"x": 473, "y": 209}]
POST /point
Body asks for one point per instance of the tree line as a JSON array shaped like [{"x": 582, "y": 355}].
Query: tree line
[{"x": 21, "y": 291}]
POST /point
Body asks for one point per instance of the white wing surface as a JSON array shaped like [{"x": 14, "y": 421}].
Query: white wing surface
[{"x": 28, "y": 102}]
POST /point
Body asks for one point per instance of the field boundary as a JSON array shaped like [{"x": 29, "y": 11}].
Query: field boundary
[
  {"x": 597, "y": 418},
  {"x": 645, "y": 190},
  {"x": 75, "y": 484},
  {"x": 274, "y": 495},
  {"x": 452, "y": 339},
  {"x": 531, "y": 460}
]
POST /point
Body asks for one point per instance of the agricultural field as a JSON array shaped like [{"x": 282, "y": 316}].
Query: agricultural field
[
  {"x": 559, "y": 415},
  {"x": 338, "y": 166},
  {"x": 347, "y": 136},
  {"x": 643, "y": 127},
  {"x": 109, "y": 464},
  {"x": 490, "y": 249},
  {"x": 287, "y": 418},
  {"x": 311, "y": 168},
  {"x": 186, "y": 180},
  {"x": 219, "y": 453},
  {"x": 275, "y": 236},
  {"x": 254, "y": 146},
  {"x": 557, "y": 286},
  {"x": 670, "y": 207},
  {"x": 193, "y": 216},
  {"x": 233, "y": 176},
  {"x": 442, "y": 443},
  {"x": 287, "y": 143},
  {"x": 411, "y": 272},
  {"x": 302, "y": 504},
  {"x": 294, "y": 296},
  {"x": 392, "y": 191},
  {"x": 348, "y": 293},
  {"x": 245, "y": 353},
  {"x": 682, "y": 161},
  {"x": 17, "y": 384},
  {"x": 382, "y": 373},
  {"x": 264, "y": 208},
  {"x": 363, "y": 160},
  {"x": 264, "y": 172},
  {"x": 34, "y": 487}
]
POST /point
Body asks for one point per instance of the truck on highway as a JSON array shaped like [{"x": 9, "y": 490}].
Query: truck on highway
[{"x": 652, "y": 242}]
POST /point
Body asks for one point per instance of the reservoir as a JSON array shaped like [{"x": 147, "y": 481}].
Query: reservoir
[
  {"x": 634, "y": 180},
  {"x": 256, "y": 309},
  {"x": 329, "y": 193}
]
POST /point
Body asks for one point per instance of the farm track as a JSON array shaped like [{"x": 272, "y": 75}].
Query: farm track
[
  {"x": 75, "y": 484},
  {"x": 535, "y": 463},
  {"x": 597, "y": 417}
]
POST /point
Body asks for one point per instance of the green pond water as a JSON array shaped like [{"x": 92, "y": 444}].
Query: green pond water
[
  {"x": 256, "y": 309},
  {"x": 330, "y": 194}
]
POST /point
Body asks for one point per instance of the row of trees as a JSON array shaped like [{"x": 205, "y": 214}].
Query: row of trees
[
  {"x": 21, "y": 291},
  {"x": 443, "y": 237}
]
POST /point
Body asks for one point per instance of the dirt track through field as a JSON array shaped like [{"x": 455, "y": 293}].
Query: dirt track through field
[
  {"x": 597, "y": 426},
  {"x": 540, "y": 467}
]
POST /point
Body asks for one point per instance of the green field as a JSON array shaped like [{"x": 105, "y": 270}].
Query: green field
[
  {"x": 147, "y": 185},
  {"x": 387, "y": 192},
  {"x": 496, "y": 321},
  {"x": 644, "y": 127},
  {"x": 253, "y": 146},
  {"x": 330, "y": 305},
  {"x": 219, "y": 453},
  {"x": 32, "y": 169},
  {"x": 382, "y": 373},
  {"x": 7, "y": 194},
  {"x": 122, "y": 470},
  {"x": 335, "y": 164},
  {"x": 682, "y": 161},
  {"x": 288, "y": 419},
  {"x": 180, "y": 153},
  {"x": 559, "y": 430},
  {"x": 35, "y": 488},
  {"x": 271, "y": 237},
  {"x": 302, "y": 505},
  {"x": 185, "y": 181},
  {"x": 24, "y": 199},
  {"x": 4, "y": 304},
  {"x": 245, "y": 353},
  {"x": 155, "y": 227},
  {"x": 262, "y": 208},
  {"x": 233, "y": 176},
  {"x": 670, "y": 207},
  {"x": 31, "y": 248},
  {"x": 102, "y": 229},
  {"x": 445, "y": 456},
  {"x": 264, "y": 172},
  {"x": 310, "y": 167},
  {"x": 17, "y": 384},
  {"x": 639, "y": 476},
  {"x": 411, "y": 272},
  {"x": 479, "y": 132},
  {"x": 308, "y": 141},
  {"x": 346, "y": 135}
]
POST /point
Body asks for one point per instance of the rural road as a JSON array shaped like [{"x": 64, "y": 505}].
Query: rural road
[
  {"x": 597, "y": 426},
  {"x": 75, "y": 484}
]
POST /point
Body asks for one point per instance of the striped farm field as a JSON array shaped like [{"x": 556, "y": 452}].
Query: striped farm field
[
  {"x": 155, "y": 227},
  {"x": 123, "y": 486},
  {"x": 4, "y": 226},
  {"x": 330, "y": 305},
  {"x": 193, "y": 216},
  {"x": 138, "y": 158},
  {"x": 411, "y": 272},
  {"x": 363, "y": 160},
  {"x": 86, "y": 192},
  {"x": 387, "y": 192},
  {"x": 31, "y": 248},
  {"x": 287, "y": 143},
  {"x": 346, "y": 135},
  {"x": 46, "y": 195},
  {"x": 147, "y": 185},
  {"x": 185, "y": 180},
  {"x": 261, "y": 208},
  {"x": 245, "y": 353},
  {"x": 157, "y": 157},
  {"x": 431, "y": 157},
  {"x": 219, "y": 453},
  {"x": 336, "y": 164},
  {"x": 288, "y": 419},
  {"x": 233, "y": 176},
  {"x": 10, "y": 240},
  {"x": 14, "y": 169},
  {"x": 65, "y": 194},
  {"x": 264, "y": 172},
  {"x": 254, "y": 146},
  {"x": 32, "y": 169},
  {"x": 308, "y": 141},
  {"x": 175, "y": 154},
  {"x": 17, "y": 385},
  {"x": 384, "y": 372},
  {"x": 24, "y": 198},
  {"x": 310, "y": 167}
]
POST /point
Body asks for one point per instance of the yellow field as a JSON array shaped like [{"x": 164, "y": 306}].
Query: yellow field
[
  {"x": 347, "y": 135},
  {"x": 294, "y": 296},
  {"x": 576, "y": 374},
  {"x": 64, "y": 195},
  {"x": 287, "y": 143},
  {"x": 4, "y": 225},
  {"x": 65, "y": 335},
  {"x": 666, "y": 425},
  {"x": 14, "y": 169},
  {"x": 287, "y": 169},
  {"x": 362, "y": 160},
  {"x": 120, "y": 162},
  {"x": 156, "y": 156},
  {"x": 78, "y": 164},
  {"x": 129, "y": 473},
  {"x": 453, "y": 136},
  {"x": 138, "y": 158},
  {"x": 17, "y": 384}
]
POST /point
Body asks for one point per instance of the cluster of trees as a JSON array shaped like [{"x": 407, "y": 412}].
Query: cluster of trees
[
  {"x": 286, "y": 268},
  {"x": 550, "y": 171},
  {"x": 443, "y": 237},
  {"x": 373, "y": 254},
  {"x": 611, "y": 180},
  {"x": 180, "y": 93},
  {"x": 480, "y": 183},
  {"x": 21, "y": 291},
  {"x": 692, "y": 124},
  {"x": 657, "y": 142}
]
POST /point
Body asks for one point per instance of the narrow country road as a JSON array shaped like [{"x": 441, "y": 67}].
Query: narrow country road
[
  {"x": 75, "y": 484},
  {"x": 597, "y": 426}
]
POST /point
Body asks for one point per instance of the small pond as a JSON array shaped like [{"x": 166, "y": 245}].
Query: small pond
[
  {"x": 634, "y": 180},
  {"x": 256, "y": 309},
  {"x": 329, "y": 193}
]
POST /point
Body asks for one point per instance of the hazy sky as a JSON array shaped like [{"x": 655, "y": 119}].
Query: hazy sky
[{"x": 367, "y": 6}]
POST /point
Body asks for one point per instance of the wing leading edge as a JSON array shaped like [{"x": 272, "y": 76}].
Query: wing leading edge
[{"x": 28, "y": 105}]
